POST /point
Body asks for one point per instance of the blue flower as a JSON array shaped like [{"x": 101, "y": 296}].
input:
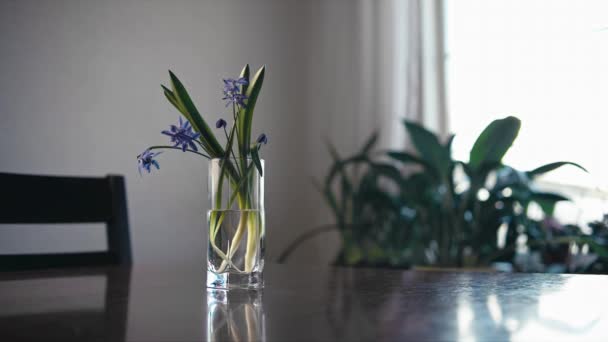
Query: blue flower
[
  {"x": 262, "y": 139},
  {"x": 232, "y": 92},
  {"x": 221, "y": 123},
  {"x": 183, "y": 136},
  {"x": 232, "y": 85},
  {"x": 146, "y": 160}
]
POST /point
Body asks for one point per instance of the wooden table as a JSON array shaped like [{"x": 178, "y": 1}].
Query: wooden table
[{"x": 302, "y": 303}]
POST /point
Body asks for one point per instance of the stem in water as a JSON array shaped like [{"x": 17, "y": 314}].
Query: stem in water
[
  {"x": 237, "y": 238},
  {"x": 252, "y": 242}
]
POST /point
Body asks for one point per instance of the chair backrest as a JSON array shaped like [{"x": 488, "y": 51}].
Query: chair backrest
[{"x": 52, "y": 199}]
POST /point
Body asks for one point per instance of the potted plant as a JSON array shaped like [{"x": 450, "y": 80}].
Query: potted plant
[
  {"x": 236, "y": 184},
  {"x": 398, "y": 208}
]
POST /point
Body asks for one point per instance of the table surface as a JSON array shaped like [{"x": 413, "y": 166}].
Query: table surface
[{"x": 302, "y": 303}]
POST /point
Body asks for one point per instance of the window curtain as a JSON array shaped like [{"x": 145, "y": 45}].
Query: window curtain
[
  {"x": 375, "y": 62},
  {"x": 372, "y": 63}
]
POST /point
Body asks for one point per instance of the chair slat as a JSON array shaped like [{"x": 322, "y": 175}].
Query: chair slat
[
  {"x": 23, "y": 262},
  {"x": 50, "y": 199},
  {"x": 53, "y": 199}
]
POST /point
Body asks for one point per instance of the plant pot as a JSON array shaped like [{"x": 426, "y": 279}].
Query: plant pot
[{"x": 235, "y": 252}]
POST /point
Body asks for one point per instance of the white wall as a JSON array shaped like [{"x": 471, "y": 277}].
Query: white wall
[{"x": 80, "y": 95}]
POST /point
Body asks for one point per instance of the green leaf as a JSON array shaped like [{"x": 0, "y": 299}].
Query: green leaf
[
  {"x": 353, "y": 255},
  {"x": 547, "y": 200},
  {"x": 339, "y": 165},
  {"x": 547, "y": 206},
  {"x": 494, "y": 141},
  {"x": 333, "y": 152},
  {"x": 226, "y": 160},
  {"x": 338, "y": 168},
  {"x": 487, "y": 167},
  {"x": 171, "y": 97},
  {"x": 328, "y": 197},
  {"x": 331, "y": 200},
  {"x": 256, "y": 160},
  {"x": 535, "y": 196},
  {"x": 388, "y": 171},
  {"x": 212, "y": 146},
  {"x": 430, "y": 150},
  {"x": 245, "y": 118},
  {"x": 550, "y": 167},
  {"x": 376, "y": 254},
  {"x": 405, "y": 157},
  {"x": 345, "y": 195},
  {"x": 479, "y": 176},
  {"x": 448, "y": 144},
  {"x": 369, "y": 144},
  {"x": 245, "y": 75},
  {"x": 595, "y": 247}
]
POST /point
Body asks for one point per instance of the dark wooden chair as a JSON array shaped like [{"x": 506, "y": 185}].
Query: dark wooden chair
[{"x": 51, "y": 199}]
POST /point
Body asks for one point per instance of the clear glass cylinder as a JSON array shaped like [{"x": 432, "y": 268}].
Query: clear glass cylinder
[{"x": 235, "y": 251}]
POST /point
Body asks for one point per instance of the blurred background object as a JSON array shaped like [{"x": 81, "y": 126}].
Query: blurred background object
[
  {"x": 451, "y": 213},
  {"x": 59, "y": 200},
  {"x": 81, "y": 95}
]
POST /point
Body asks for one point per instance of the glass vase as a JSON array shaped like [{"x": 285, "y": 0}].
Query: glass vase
[{"x": 235, "y": 251}]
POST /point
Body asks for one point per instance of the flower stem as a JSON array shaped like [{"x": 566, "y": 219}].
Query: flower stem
[
  {"x": 248, "y": 222},
  {"x": 252, "y": 242},
  {"x": 157, "y": 147},
  {"x": 236, "y": 239}
]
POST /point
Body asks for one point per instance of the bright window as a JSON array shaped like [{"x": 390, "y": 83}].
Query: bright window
[{"x": 544, "y": 61}]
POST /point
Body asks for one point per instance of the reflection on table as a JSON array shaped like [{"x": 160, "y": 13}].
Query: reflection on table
[
  {"x": 235, "y": 315},
  {"x": 466, "y": 306},
  {"x": 304, "y": 303},
  {"x": 65, "y": 306}
]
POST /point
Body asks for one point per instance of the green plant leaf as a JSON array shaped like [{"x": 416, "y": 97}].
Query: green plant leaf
[
  {"x": 548, "y": 196},
  {"x": 212, "y": 146},
  {"x": 336, "y": 167},
  {"x": 245, "y": 75},
  {"x": 479, "y": 176},
  {"x": 331, "y": 201},
  {"x": 428, "y": 147},
  {"x": 547, "y": 206},
  {"x": 448, "y": 143},
  {"x": 245, "y": 118},
  {"x": 494, "y": 141},
  {"x": 376, "y": 254},
  {"x": 550, "y": 167},
  {"x": 333, "y": 152},
  {"x": 595, "y": 247},
  {"x": 353, "y": 255},
  {"x": 256, "y": 160},
  {"x": 547, "y": 200},
  {"x": 339, "y": 165},
  {"x": 388, "y": 171},
  {"x": 370, "y": 143},
  {"x": 406, "y": 158},
  {"x": 173, "y": 100},
  {"x": 346, "y": 197}
]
